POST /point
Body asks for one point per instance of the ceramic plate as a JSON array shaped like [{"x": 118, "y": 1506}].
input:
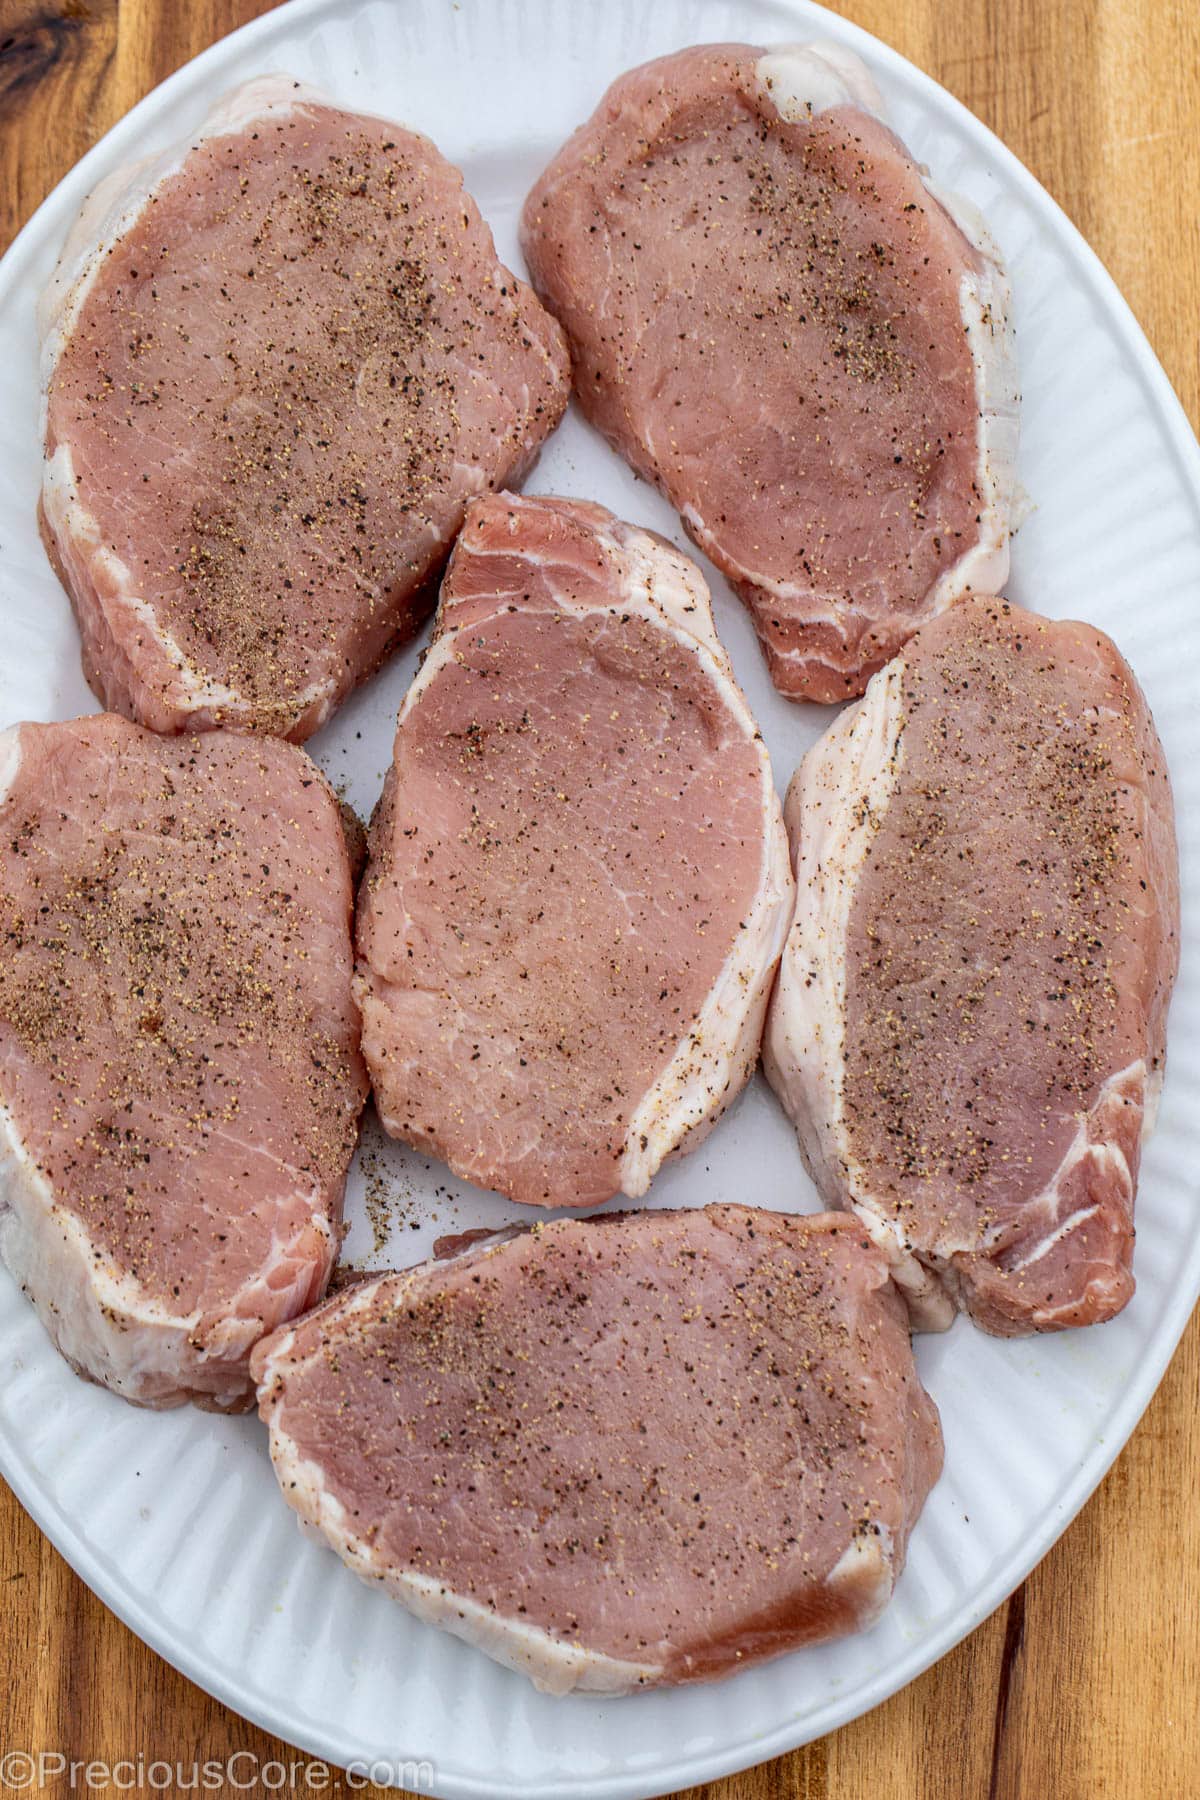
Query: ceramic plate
[{"x": 174, "y": 1519}]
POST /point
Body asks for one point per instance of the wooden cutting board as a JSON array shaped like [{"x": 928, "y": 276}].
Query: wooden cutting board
[{"x": 1084, "y": 1685}]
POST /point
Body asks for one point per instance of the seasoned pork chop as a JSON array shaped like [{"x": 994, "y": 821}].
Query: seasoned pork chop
[
  {"x": 277, "y": 362},
  {"x": 782, "y": 321},
  {"x": 180, "y": 1079},
  {"x": 623, "y": 1452},
  {"x": 578, "y": 884},
  {"x": 969, "y": 1024}
]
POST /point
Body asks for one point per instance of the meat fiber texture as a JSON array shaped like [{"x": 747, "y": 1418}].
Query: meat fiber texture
[
  {"x": 624, "y": 1452},
  {"x": 970, "y": 1021},
  {"x": 180, "y": 1080},
  {"x": 779, "y": 318},
  {"x": 579, "y": 883},
  {"x": 277, "y": 361}
]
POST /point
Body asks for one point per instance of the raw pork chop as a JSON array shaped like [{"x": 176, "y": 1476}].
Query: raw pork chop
[
  {"x": 277, "y": 362},
  {"x": 623, "y": 1452},
  {"x": 803, "y": 341},
  {"x": 579, "y": 882},
  {"x": 969, "y": 1024},
  {"x": 179, "y": 1071}
]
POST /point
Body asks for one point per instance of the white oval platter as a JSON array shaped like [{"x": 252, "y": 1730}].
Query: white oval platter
[{"x": 174, "y": 1519}]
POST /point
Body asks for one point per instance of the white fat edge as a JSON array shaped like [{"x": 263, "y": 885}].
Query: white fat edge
[
  {"x": 109, "y": 211},
  {"x": 842, "y": 786},
  {"x": 100, "y": 1318},
  {"x": 713, "y": 1059},
  {"x": 670, "y": 593},
  {"x": 102, "y": 1321},
  {"x": 841, "y": 789},
  {"x": 673, "y": 584},
  {"x": 116, "y": 202},
  {"x": 876, "y": 1543},
  {"x": 867, "y": 1568},
  {"x": 1150, "y": 1105},
  {"x": 77, "y": 532},
  {"x": 10, "y": 759},
  {"x": 553, "y": 1666},
  {"x": 929, "y": 1301},
  {"x": 804, "y": 79},
  {"x": 985, "y": 306}
]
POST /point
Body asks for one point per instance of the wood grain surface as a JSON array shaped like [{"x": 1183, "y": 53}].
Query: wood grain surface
[{"x": 1084, "y": 1685}]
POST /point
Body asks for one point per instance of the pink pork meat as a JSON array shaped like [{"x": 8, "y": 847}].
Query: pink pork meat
[
  {"x": 277, "y": 362},
  {"x": 180, "y": 1080},
  {"x": 617, "y": 1453},
  {"x": 578, "y": 882},
  {"x": 782, "y": 320}
]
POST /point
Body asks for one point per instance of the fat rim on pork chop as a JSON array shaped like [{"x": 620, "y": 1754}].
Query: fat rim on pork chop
[
  {"x": 276, "y": 362},
  {"x": 798, "y": 335},
  {"x": 180, "y": 1079},
  {"x": 969, "y": 1026},
  {"x": 579, "y": 882},
  {"x": 624, "y": 1452}
]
